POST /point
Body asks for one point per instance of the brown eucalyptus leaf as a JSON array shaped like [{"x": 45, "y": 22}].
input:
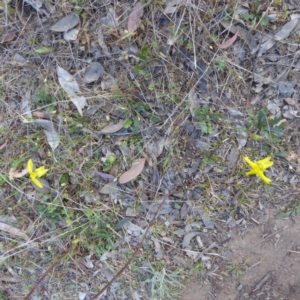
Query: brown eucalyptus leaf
[
  {"x": 229, "y": 42},
  {"x": 134, "y": 19},
  {"x": 292, "y": 102},
  {"x": 243, "y": 34},
  {"x": 111, "y": 128},
  {"x": 133, "y": 172},
  {"x": 20, "y": 174},
  {"x": 66, "y": 23},
  {"x": 9, "y": 36},
  {"x": 292, "y": 156}
]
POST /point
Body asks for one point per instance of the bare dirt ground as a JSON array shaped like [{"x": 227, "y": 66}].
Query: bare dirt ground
[{"x": 272, "y": 250}]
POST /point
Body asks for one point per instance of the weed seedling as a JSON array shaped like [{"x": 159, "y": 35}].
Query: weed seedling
[
  {"x": 271, "y": 129},
  {"x": 238, "y": 269},
  {"x": 206, "y": 117}
]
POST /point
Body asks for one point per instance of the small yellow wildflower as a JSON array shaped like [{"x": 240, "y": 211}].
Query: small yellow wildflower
[
  {"x": 259, "y": 167},
  {"x": 37, "y": 173},
  {"x": 111, "y": 159}
]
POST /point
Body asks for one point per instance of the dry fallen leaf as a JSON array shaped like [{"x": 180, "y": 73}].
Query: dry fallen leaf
[
  {"x": 20, "y": 174},
  {"x": 93, "y": 73},
  {"x": 51, "y": 134},
  {"x": 292, "y": 102},
  {"x": 133, "y": 172},
  {"x": 171, "y": 6},
  {"x": 80, "y": 103},
  {"x": 67, "y": 81},
  {"x": 71, "y": 35},
  {"x": 292, "y": 156},
  {"x": 41, "y": 115},
  {"x": 109, "y": 188},
  {"x": 102, "y": 42},
  {"x": 66, "y": 23},
  {"x": 17, "y": 232},
  {"x": 10, "y": 279},
  {"x": 243, "y": 34},
  {"x": 286, "y": 30},
  {"x": 70, "y": 85},
  {"x": 111, "y": 20},
  {"x": 111, "y": 128},
  {"x": 3, "y": 146},
  {"x": 229, "y": 42},
  {"x": 9, "y": 36},
  {"x": 86, "y": 261},
  {"x": 134, "y": 19}
]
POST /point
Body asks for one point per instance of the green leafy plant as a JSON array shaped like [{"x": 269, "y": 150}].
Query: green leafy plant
[
  {"x": 53, "y": 211},
  {"x": 255, "y": 14},
  {"x": 290, "y": 212},
  {"x": 143, "y": 55},
  {"x": 98, "y": 236},
  {"x": 238, "y": 269},
  {"x": 3, "y": 179},
  {"x": 108, "y": 163},
  {"x": 209, "y": 158},
  {"x": 270, "y": 128},
  {"x": 220, "y": 65},
  {"x": 164, "y": 284},
  {"x": 41, "y": 98},
  {"x": 206, "y": 116},
  {"x": 228, "y": 14}
]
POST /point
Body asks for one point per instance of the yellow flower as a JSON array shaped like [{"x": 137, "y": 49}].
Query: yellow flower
[
  {"x": 37, "y": 173},
  {"x": 111, "y": 159},
  {"x": 259, "y": 167}
]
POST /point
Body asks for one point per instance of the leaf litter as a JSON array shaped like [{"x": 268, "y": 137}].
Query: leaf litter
[
  {"x": 135, "y": 16},
  {"x": 199, "y": 171}
]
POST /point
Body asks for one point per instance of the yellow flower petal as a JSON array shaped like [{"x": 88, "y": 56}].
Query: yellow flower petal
[
  {"x": 249, "y": 162},
  {"x": 41, "y": 171},
  {"x": 30, "y": 166},
  {"x": 259, "y": 167},
  {"x": 265, "y": 163},
  {"x": 36, "y": 181},
  {"x": 37, "y": 173},
  {"x": 263, "y": 177}
]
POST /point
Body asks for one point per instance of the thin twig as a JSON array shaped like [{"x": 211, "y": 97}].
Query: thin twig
[
  {"x": 48, "y": 271},
  {"x": 134, "y": 253}
]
